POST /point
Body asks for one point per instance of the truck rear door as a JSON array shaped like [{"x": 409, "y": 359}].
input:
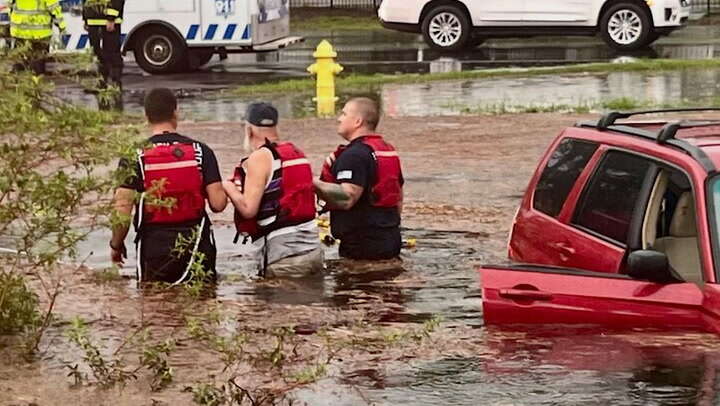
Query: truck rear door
[
  {"x": 225, "y": 22},
  {"x": 529, "y": 294},
  {"x": 271, "y": 21}
]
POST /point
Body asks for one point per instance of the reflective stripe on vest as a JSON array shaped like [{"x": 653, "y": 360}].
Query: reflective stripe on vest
[
  {"x": 94, "y": 22},
  {"x": 33, "y": 19}
]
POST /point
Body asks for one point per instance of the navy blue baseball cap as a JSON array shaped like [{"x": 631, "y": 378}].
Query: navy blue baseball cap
[{"x": 261, "y": 114}]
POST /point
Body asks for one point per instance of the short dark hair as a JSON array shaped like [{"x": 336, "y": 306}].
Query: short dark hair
[
  {"x": 160, "y": 105},
  {"x": 369, "y": 110}
]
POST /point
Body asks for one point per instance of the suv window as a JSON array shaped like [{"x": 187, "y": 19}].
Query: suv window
[
  {"x": 562, "y": 170},
  {"x": 610, "y": 198}
]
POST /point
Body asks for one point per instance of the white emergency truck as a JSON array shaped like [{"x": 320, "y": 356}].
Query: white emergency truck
[{"x": 180, "y": 35}]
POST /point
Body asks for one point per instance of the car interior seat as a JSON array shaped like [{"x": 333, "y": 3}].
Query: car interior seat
[
  {"x": 681, "y": 245},
  {"x": 653, "y": 213}
]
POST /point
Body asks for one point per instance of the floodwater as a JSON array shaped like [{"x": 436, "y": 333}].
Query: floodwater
[
  {"x": 564, "y": 368},
  {"x": 477, "y": 364},
  {"x": 390, "y": 52},
  {"x": 468, "y": 96},
  {"x": 458, "y": 212},
  {"x": 521, "y": 366}
]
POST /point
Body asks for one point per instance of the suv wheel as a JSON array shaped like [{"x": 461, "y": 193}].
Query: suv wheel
[
  {"x": 626, "y": 27},
  {"x": 447, "y": 28}
]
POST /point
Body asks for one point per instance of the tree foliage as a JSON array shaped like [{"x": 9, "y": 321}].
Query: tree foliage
[{"x": 57, "y": 169}]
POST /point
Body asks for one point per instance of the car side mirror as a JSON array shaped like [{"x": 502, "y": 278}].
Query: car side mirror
[{"x": 652, "y": 266}]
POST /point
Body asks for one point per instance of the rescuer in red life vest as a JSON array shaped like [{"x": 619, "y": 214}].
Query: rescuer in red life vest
[
  {"x": 175, "y": 176},
  {"x": 272, "y": 191},
  {"x": 361, "y": 184}
]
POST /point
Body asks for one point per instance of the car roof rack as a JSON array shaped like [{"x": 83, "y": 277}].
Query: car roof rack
[
  {"x": 610, "y": 118},
  {"x": 666, "y": 135},
  {"x": 669, "y": 130}
]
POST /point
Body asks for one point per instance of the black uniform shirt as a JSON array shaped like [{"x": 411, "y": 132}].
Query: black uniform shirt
[{"x": 356, "y": 165}]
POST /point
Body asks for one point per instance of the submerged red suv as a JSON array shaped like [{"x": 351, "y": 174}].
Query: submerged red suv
[{"x": 619, "y": 227}]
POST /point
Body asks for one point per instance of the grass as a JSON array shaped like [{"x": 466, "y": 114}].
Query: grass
[
  {"x": 325, "y": 19},
  {"x": 624, "y": 103},
  {"x": 336, "y": 23},
  {"x": 354, "y": 82}
]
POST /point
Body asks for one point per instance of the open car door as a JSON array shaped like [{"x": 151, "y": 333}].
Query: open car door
[{"x": 534, "y": 294}]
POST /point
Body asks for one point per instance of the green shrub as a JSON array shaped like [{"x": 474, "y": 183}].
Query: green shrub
[{"x": 18, "y": 304}]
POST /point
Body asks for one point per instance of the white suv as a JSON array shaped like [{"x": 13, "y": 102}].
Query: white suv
[{"x": 455, "y": 24}]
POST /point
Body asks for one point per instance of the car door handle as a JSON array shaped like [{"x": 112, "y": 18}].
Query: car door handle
[
  {"x": 525, "y": 294},
  {"x": 564, "y": 250},
  {"x": 562, "y": 247}
]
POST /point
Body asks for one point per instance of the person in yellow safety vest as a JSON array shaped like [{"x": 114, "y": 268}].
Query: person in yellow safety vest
[
  {"x": 31, "y": 23},
  {"x": 102, "y": 22}
]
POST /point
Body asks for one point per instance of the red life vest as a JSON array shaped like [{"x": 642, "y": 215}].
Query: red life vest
[
  {"x": 288, "y": 199},
  {"x": 387, "y": 189},
  {"x": 173, "y": 183}
]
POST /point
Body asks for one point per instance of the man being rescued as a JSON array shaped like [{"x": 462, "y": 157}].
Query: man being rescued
[{"x": 272, "y": 191}]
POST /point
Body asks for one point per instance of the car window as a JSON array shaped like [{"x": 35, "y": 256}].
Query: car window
[
  {"x": 678, "y": 184},
  {"x": 562, "y": 170},
  {"x": 611, "y": 196}
]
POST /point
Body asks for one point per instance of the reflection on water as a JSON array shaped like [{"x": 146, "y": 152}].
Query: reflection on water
[
  {"x": 435, "y": 278},
  {"x": 457, "y": 97},
  {"x": 539, "y": 366},
  {"x": 389, "y": 52},
  {"x": 575, "y": 367}
]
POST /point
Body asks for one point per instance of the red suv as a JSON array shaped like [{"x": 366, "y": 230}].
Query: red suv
[{"x": 620, "y": 223}]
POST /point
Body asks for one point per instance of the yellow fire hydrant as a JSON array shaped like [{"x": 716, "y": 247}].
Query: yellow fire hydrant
[{"x": 325, "y": 69}]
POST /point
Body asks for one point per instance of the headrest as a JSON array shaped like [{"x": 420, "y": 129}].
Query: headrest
[{"x": 683, "y": 221}]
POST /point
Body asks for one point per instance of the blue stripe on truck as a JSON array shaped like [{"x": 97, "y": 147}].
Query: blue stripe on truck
[
  {"x": 82, "y": 43},
  {"x": 84, "y": 40},
  {"x": 192, "y": 32},
  {"x": 230, "y": 31},
  {"x": 210, "y": 34},
  {"x": 246, "y": 33}
]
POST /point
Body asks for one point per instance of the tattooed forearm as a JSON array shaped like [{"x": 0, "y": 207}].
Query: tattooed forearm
[{"x": 341, "y": 197}]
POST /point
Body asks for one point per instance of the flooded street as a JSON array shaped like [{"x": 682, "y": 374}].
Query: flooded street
[
  {"x": 465, "y": 176},
  {"x": 408, "y": 332},
  {"x": 471, "y": 96},
  {"x": 370, "y": 52}
]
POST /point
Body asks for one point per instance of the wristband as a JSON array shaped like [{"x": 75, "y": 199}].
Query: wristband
[{"x": 117, "y": 249}]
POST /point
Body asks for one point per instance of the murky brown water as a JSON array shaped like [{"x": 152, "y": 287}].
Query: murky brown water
[{"x": 465, "y": 176}]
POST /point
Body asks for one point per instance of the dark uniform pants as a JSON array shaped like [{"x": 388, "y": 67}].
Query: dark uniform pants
[
  {"x": 160, "y": 259},
  {"x": 36, "y": 55},
  {"x": 106, "y": 46},
  {"x": 375, "y": 244}
]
